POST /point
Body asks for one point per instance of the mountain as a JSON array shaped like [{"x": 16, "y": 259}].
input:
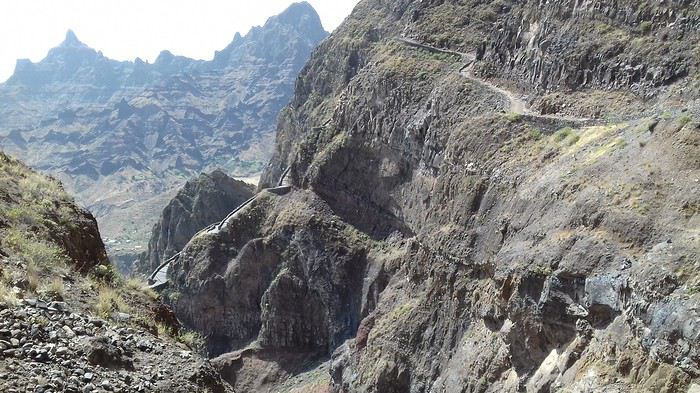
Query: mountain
[
  {"x": 124, "y": 136},
  {"x": 487, "y": 196},
  {"x": 201, "y": 202},
  {"x": 68, "y": 321}
]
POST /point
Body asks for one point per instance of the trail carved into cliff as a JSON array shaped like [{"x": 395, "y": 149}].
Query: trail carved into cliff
[{"x": 517, "y": 104}]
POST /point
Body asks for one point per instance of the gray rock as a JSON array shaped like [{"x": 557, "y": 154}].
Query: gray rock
[
  {"x": 103, "y": 353},
  {"x": 69, "y": 332}
]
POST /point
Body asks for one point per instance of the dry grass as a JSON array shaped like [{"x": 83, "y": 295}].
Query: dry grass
[
  {"x": 138, "y": 284},
  {"x": 36, "y": 197},
  {"x": 33, "y": 278},
  {"x": 7, "y": 295},
  {"x": 618, "y": 143},
  {"x": 109, "y": 301},
  {"x": 56, "y": 290},
  {"x": 44, "y": 255}
]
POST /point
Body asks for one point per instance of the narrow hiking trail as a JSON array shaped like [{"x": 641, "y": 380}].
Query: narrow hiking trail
[
  {"x": 517, "y": 104},
  {"x": 159, "y": 278}
]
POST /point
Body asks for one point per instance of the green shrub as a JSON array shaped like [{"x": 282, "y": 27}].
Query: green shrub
[
  {"x": 106, "y": 274},
  {"x": 645, "y": 27},
  {"x": 163, "y": 330},
  {"x": 684, "y": 120},
  {"x": 562, "y": 134},
  {"x": 573, "y": 139},
  {"x": 649, "y": 126},
  {"x": 534, "y": 134},
  {"x": 192, "y": 339},
  {"x": 513, "y": 117}
]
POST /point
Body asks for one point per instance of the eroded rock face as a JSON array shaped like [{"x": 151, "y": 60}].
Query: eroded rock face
[
  {"x": 237, "y": 287},
  {"x": 201, "y": 202},
  {"x": 499, "y": 252},
  {"x": 82, "y": 241},
  {"x": 631, "y": 46}
]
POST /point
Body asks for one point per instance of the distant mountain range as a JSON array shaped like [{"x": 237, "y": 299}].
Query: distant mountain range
[{"x": 124, "y": 136}]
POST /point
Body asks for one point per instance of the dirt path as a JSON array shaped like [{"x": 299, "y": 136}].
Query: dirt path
[{"x": 517, "y": 104}]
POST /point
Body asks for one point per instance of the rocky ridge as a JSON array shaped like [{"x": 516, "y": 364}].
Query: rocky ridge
[
  {"x": 434, "y": 241},
  {"x": 201, "y": 202},
  {"x": 124, "y": 136}
]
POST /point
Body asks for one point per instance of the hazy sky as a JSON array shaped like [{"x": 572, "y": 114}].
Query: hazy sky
[{"x": 126, "y": 29}]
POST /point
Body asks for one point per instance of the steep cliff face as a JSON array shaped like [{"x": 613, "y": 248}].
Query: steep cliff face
[
  {"x": 455, "y": 226},
  {"x": 201, "y": 202},
  {"x": 125, "y": 136}
]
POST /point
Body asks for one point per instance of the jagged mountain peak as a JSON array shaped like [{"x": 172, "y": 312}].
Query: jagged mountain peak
[
  {"x": 143, "y": 117},
  {"x": 72, "y": 41},
  {"x": 301, "y": 12},
  {"x": 300, "y": 16},
  {"x": 298, "y": 25}
]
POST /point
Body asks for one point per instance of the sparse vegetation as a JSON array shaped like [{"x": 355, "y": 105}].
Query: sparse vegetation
[
  {"x": 56, "y": 290},
  {"x": 33, "y": 279},
  {"x": 46, "y": 256},
  {"x": 192, "y": 339},
  {"x": 106, "y": 274},
  {"x": 414, "y": 63},
  {"x": 562, "y": 134},
  {"x": 683, "y": 121},
  {"x": 534, "y": 134},
  {"x": 7, "y": 295},
  {"x": 108, "y": 302},
  {"x": 513, "y": 117},
  {"x": 618, "y": 143},
  {"x": 163, "y": 330},
  {"x": 566, "y": 136},
  {"x": 38, "y": 199},
  {"x": 648, "y": 126},
  {"x": 645, "y": 27},
  {"x": 543, "y": 270},
  {"x": 573, "y": 139},
  {"x": 138, "y": 284}
]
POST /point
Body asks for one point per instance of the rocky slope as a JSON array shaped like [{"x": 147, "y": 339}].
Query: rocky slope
[
  {"x": 201, "y": 202},
  {"x": 124, "y": 136},
  {"x": 68, "y": 323},
  {"x": 434, "y": 242}
]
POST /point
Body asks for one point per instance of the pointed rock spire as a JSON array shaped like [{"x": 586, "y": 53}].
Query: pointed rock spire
[{"x": 72, "y": 41}]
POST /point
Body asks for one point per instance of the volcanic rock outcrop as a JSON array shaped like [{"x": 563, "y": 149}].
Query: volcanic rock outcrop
[
  {"x": 435, "y": 242},
  {"x": 201, "y": 202}
]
